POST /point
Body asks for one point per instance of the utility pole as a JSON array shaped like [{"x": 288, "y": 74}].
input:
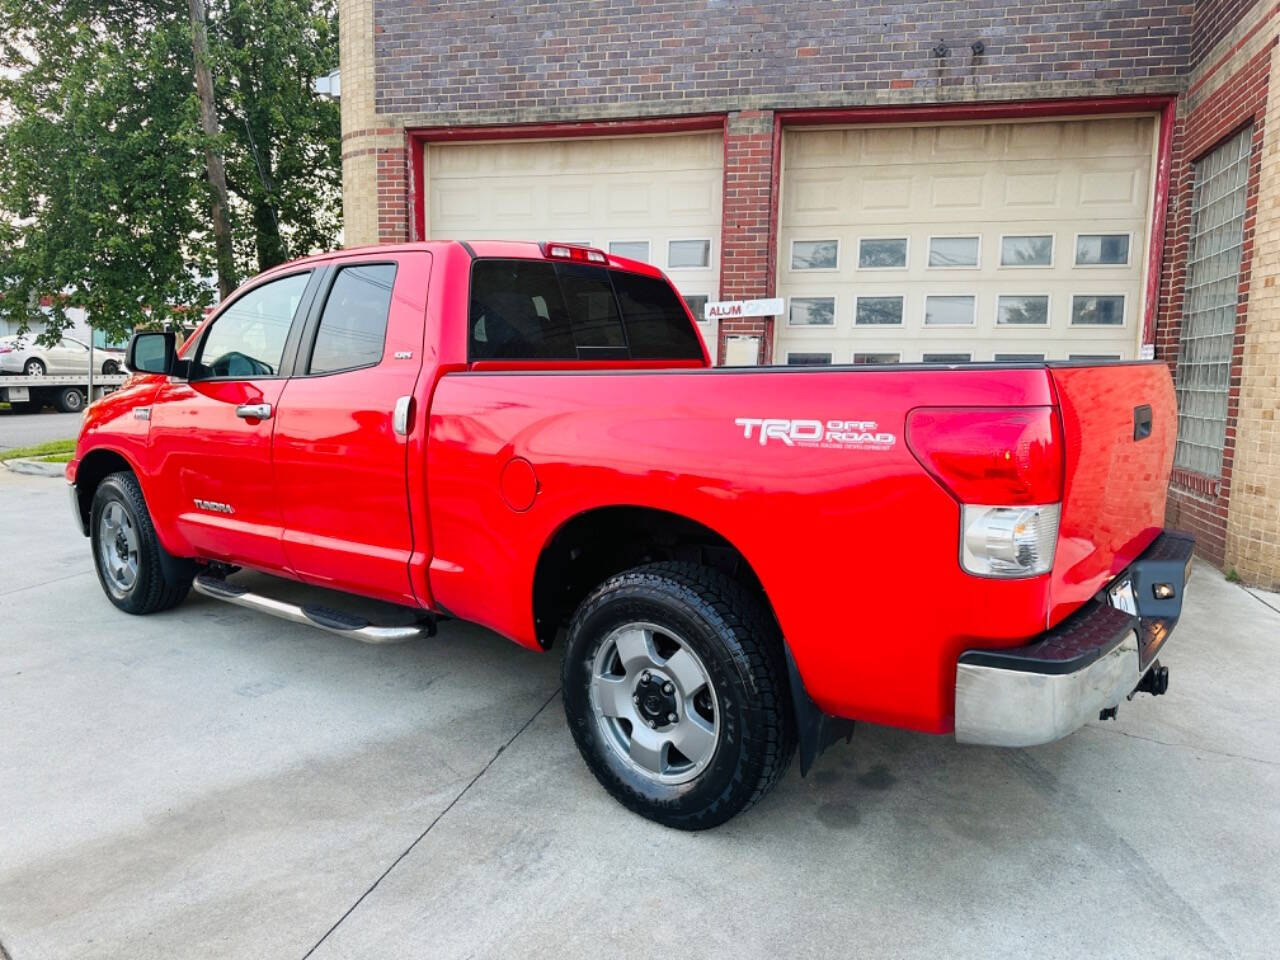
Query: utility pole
[{"x": 213, "y": 159}]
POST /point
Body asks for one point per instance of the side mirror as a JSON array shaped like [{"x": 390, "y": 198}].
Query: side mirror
[{"x": 152, "y": 353}]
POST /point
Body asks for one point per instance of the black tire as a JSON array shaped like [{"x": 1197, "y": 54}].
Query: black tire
[
  {"x": 35, "y": 367},
  {"x": 162, "y": 580},
  {"x": 110, "y": 368},
  {"x": 70, "y": 400},
  {"x": 728, "y": 629}
]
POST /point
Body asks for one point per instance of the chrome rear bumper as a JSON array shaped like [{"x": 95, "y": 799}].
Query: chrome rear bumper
[{"x": 1047, "y": 689}]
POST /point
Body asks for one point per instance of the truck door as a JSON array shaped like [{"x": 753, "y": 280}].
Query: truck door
[
  {"x": 342, "y": 433},
  {"x": 212, "y": 433}
]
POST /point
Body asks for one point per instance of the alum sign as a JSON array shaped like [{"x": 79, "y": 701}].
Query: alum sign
[{"x": 727, "y": 309}]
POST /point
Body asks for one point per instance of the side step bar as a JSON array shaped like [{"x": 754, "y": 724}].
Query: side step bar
[{"x": 311, "y": 615}]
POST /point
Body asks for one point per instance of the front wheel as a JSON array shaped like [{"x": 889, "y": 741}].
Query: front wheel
[
  {"x": 675, "y": 690},
  {"x": 136, "y": 572}
]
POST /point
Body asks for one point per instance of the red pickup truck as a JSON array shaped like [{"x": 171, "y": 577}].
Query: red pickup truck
[{"x": 734, "y": 561}]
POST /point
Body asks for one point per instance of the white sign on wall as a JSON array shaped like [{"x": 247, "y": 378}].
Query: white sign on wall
[{"x": 725, "y": 309}]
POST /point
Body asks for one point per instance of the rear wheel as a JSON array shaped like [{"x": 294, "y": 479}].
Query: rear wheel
[
  {"x": 110, "y": 368},
  {"x": 675, "y": 690},
  {"x": 34, "y": 367},
  {"x": 70, "y": 400},
  {"x": 137, "y": 574}
]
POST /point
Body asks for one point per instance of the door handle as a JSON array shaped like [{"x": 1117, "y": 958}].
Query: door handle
[
  {"x": 1142, "y": 422},
  {"x": 254, "y": 411},
  {"x": 400, "y": 419}
]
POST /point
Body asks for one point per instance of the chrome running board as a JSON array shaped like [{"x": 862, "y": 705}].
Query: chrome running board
[{"x": 311, "y": 615}]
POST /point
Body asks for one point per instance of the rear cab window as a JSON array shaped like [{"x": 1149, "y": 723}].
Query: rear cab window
[{"x": 540, "y": 310}]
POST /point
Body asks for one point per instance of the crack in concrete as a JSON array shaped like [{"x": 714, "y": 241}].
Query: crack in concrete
[
  {"x": 33, "y": 586},
  {"x": 1262, "y": 600},
  {"x": 438, "y": 817},
  {"x": 1188, "y": 746}
]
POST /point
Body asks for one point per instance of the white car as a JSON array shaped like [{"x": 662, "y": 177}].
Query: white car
[{"x": 23, "y": 355}]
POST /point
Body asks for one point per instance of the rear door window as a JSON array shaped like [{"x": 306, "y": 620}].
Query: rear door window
[
  {"x": 535, "y": 310},
  {"x": 353, "y": 326}
]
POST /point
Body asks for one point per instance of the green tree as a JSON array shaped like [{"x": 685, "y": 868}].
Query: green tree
[{"x": 103, "y": 197}]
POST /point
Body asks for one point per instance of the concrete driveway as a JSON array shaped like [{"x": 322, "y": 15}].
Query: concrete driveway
[{"x": 209, "y": 782}]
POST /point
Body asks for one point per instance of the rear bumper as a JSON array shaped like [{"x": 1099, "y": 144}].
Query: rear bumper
[{"x": 1046, "y": 689}]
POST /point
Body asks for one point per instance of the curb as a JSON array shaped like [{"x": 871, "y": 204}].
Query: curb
[{"x": 36, "y": 468}]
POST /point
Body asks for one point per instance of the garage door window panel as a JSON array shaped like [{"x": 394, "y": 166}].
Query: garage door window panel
[
  {"x": 692, "y": 254},
  {"x": 1026, "y": 250},
  {"x": 950, "y": 311},
  {"x": 1097, "y": 310},
  {"x": 1019, "y": 358},
  {"x": 878, "y": 311},
  {"x": 864, "y": 358},
  {"x": 353, "y": 324},
  {"x": 812, "y": 312},
  {"x": 631, "y": 249},
  {"x": 808, "y": 359},
  {"x": 815, "y": 255},
  {"x": 947, "y": 357},
  {"x": 883, "y": 253},
  {"x": 1022, "y": 310},
  {"x": 1103, "y": 249},
  {"x": 955, "y": 253}
]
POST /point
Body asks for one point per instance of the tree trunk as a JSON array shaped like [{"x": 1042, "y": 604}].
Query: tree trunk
[{"x": 213, "y": 159}]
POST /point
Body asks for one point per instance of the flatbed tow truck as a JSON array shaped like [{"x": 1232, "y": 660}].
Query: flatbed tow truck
[{"x": 69, "y": 393}]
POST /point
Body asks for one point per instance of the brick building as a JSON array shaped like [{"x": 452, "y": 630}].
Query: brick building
[{"x": 917, "y": 180}]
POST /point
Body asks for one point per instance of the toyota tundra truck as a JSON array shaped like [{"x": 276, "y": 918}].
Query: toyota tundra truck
[{"x": 735, "y": 562}]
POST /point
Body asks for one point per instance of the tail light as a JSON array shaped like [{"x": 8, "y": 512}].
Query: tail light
[
  {"x": 1004, "y": 466},
  {"x": 568, "y": 251},
  {"x": 5, "y": 348}
]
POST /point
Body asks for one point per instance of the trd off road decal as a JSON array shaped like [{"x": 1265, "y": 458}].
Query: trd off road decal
[{"x": 828, "y": 434}]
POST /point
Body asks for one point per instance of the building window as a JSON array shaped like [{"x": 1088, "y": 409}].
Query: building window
[
  {"x": 1019, "y": 358},
  {"x": 1093, "y": 357},
  {"x": 815, "y": 254},
  {"x": 631, "y": 249},
  {"x": 1091, "y": 310},
  {"x": 882, "y": 253},
  {"x": 1022, "y": 310},
  {"x": 1029, "y": 251},
  {"x": 1211, "y": 296},
  {"x": 878, "y": 310},
  {"x": 949, "y": 311},
  {"x": 861, "y": 358},
  {"x": 1102, "y": 250},
  {"x": 688, "y": 254},
  {"x": 812, "y": 312},
  {"x": 953, "y": 251},
  {"x": 946, "y": 358},
  {"x": 808, "y": 359}
]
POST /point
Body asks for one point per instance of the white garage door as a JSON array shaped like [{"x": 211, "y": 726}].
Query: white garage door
[
  {"x": 649, "y": 198},
  {"x": 958, "y": 242}
]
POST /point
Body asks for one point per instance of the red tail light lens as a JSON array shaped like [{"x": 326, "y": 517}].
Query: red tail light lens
[
  {"x": 567, "y": 251},
  {"x": 1001, "y": 455}
]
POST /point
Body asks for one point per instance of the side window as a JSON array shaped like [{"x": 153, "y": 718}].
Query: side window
[
  {"x": 247, "y": 340},
  {"x": 353, "y": 324}
]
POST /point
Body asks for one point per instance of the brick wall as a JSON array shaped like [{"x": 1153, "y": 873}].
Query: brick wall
[
  {"x": 1213, "y": 20},
  {"x": 1216, "y": 106},
  {"x": 1253, "y": 518},
  {"x": 747, "y": 252},
  {"x": 496, "y": 61}
]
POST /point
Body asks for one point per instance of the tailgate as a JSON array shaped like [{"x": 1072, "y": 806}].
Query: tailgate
[{"x": 1119, "y": 424}]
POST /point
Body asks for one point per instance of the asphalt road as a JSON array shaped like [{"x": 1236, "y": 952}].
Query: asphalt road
[
  {"x": 27, "y": 429},
  {"x": 211, "y": 782}
]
